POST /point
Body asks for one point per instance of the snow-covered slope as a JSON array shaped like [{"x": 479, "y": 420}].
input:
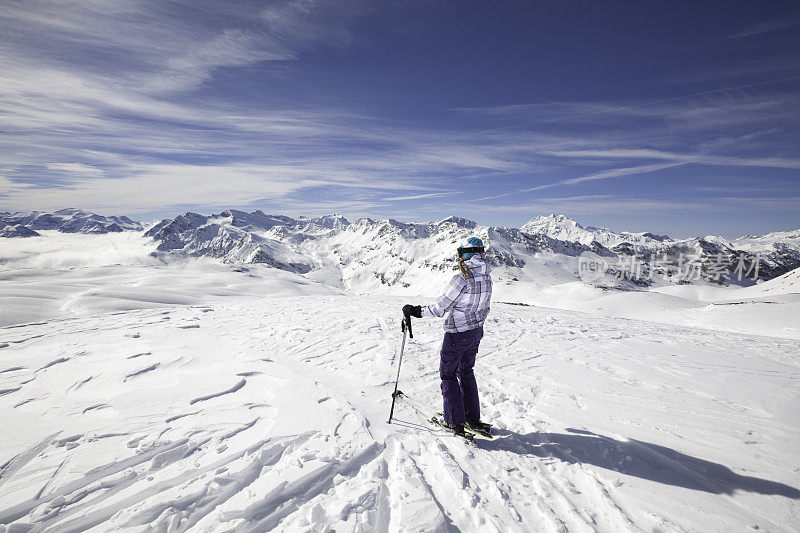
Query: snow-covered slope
[
  {"x": 788, "y": 283},
  {"x": 70, "y": 221},
  {"x": 182, "y": 390},
  {"x": 271, "y": 414},
  {"x": 61, "y": 275}
]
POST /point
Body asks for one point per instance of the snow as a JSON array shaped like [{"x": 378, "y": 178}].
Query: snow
[
  {"x": 65, "y": 275},
  {"x": 566, "y": 229},
  {"x": 409, "y": 258},
  {"x": 16, "y": 231},
  {"x": 772, "y": 306},
  {"x": 777, "y": 252},
  {"x": 70, "y": 221},
  {"x": 175, "y": 393}
]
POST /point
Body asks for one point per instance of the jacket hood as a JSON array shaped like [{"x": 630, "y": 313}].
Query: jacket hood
[{"x": 478, "y": 266}]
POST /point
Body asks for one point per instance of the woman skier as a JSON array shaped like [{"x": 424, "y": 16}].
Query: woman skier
[{"x": 466, "y": 303}]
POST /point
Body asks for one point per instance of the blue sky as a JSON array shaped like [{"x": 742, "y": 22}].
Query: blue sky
[{"x": 678, "y": 117}]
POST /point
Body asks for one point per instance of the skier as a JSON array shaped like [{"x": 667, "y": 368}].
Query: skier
[{"x": 466, "y": 303}]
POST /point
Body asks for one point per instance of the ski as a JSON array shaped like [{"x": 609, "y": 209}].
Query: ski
[
  {"x": 437, "y": 420},
  {"x": 483, "y": 429}
]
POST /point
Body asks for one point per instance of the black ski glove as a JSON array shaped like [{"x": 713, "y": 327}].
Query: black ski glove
[{"x": 412, "y": 310}]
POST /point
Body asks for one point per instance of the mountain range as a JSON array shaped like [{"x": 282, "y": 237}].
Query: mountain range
[
  {"x": 369, "y": 254},
  {"x": 64, "y": 220}
]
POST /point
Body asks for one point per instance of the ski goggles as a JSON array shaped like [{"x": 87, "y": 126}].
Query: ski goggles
[{"x": 473, "y": 250}]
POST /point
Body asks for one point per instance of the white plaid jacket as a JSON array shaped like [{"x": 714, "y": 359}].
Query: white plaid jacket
[{"x": 466, "y": 300}]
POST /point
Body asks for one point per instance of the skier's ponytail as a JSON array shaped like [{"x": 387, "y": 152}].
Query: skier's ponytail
[{"x": 464, "y": 269}]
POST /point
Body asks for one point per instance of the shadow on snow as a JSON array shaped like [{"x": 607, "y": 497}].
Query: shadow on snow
[{"x": 635, "y": 458}]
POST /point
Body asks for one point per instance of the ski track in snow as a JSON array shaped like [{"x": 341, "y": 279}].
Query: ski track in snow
[{"x": 272, "y": 414}]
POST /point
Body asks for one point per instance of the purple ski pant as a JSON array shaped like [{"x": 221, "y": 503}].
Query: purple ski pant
[{"x": 459, "y": 390}]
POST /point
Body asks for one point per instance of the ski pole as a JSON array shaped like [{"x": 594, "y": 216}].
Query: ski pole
[{"x": 406, "y": 323}]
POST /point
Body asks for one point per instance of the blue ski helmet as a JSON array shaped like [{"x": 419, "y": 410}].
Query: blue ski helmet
[{"x": 470, "y": 247}]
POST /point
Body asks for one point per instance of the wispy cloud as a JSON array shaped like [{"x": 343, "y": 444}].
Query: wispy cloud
[
  {"x": 421, "y": 196},
  {"x": 137, "y": 106},
  {"x": 715, "y": 130},
  {"x": 610, "y": 204},
  {"x": 77, "y": 168},
  {"x": 783, "y": 23},
  {"x": 607, "y": 174},
  {"x": 113, "y": 105}
]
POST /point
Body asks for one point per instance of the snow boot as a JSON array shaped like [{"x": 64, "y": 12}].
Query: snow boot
[
  {"x": 481, "y": 428},
  {"x": 457, "y": 429}
]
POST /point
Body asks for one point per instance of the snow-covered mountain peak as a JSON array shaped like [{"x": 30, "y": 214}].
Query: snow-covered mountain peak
[
  {"x": 780, "y": 242},
  {"x": 389, "y": 225},
  {"x": 72, "y": 211},
  {"x": 552, "y": 223},
  {"x": 332, "y": 221},
  {"x": 16, "y": 231},
  {"x": 554, "y": 220},
  {"x": 777, "y": 236},
  {"x": 653, "y": 236},
  {"x": 563, "y": 228},
  {"x": 255, "y": 220},
  {"x": 70, "y": 220},
  {"x": 458, "y": 222},
  {"x": 369, "y": 253}
]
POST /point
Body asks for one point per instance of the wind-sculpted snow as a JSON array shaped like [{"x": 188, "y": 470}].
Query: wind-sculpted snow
[
  {"x": 63, "y": 275},
  {"x": 271, "y": 415},
  {"x": 69, "y": 221}
]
